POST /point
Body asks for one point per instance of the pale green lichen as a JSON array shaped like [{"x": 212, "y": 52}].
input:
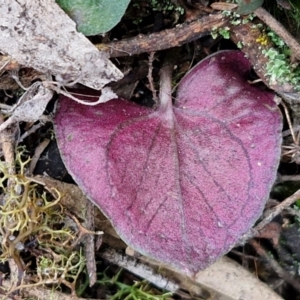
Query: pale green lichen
[
  {"x": 279, "y": 68},
  {"x": 28, "y": 213}
]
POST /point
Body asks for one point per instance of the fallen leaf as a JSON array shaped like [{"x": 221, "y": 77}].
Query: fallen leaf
[
  {"x": 181, "y": 183},
  {"x": 228, "y": 280},
  {"x": 40, "y": 35},
  {"x": 223, "y": 280},
  {"x": 30, "y": 107},
  {"x": 107, "y": 94}
]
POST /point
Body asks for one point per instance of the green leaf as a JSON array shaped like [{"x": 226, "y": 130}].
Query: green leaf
[
  {"x": 94, "y": 16},
  {"x": 248, "y": 6}
]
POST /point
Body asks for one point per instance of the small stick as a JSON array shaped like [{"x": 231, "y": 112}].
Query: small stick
[
  {"x": 4, "y": 65},
  {"x": 14, "y": 75},
  {"x": 89, "y": 244},
  {"x": 37, "y": 153},
  {"x": 166, "y": 39},
  {"x": 244, "y": 256},
  {"x": 293, "y": 212},
  {"x": 277, "y": 210},
  {"x": 7, "y": 141},
  {"x": 275, "y": 265},
  {"x": 288, "y": 118},
  {"x": 39, "y": 291},
  {"x": 283, "y": 178},
  {"x": 289, "y": 132},
  {"x": 150, "y": 77},
  {"x": 51, "y": 85},
  {"x": 271, "y": 215},
  {"x": 33, "y": 129},
  {"x": 139, "y": 269}
]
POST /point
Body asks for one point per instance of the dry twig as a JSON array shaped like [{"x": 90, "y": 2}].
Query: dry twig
[
  {"x": 270, "y": 216},
  {"x": 150, "y": 76},
  {"x": 138, "y": 268},
  {"x": 37, "y": 154},
  {"x": 275, "y": 265},
  {"x": 89, "y": 243},
  {"x": 169, "y": 38}
]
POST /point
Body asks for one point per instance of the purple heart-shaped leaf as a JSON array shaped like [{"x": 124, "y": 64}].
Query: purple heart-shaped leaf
[{"x": 183, "y": 182}]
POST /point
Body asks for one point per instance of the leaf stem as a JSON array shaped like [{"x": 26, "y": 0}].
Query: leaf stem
[{"x": 165, "y": 91}]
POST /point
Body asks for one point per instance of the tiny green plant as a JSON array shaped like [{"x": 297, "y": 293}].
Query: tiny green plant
[
  {"x": 139, "y": 290},
  {"x": 235, "y": 19},
  {"x": 223, "y": 31},
  {"x": 165, "y": 6}
]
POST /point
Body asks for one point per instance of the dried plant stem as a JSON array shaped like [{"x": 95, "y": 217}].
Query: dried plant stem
[
  {"x": 166, "y": 39},
  {"x": 283, "y": 178},
  {"x": 293, "y": 212},
  {"x": 288, "y": 118},
  {"x": 33, "y": 129},
  {"x": 37, "y": 153},
  {"x": 165, "y": 92},
  {"x": 38, "y": 291},
  {"x": 8, "y": 149},
  {"x": 275, "y": 265},
  {"x": 243, "y": 256},
  {"x": 89, "y": 243},
  {"x": 150, "y": 76},
  {"x": 139, "y": 269},
  {"x": 270, "y": 216},
  {"x": 272, "y": 213},
  {"x": 8, "y": 141},
  {"x": 288, "y": 132},
  {"x": 82, "y": 230},
  {"x": 277, "y": 210}
]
